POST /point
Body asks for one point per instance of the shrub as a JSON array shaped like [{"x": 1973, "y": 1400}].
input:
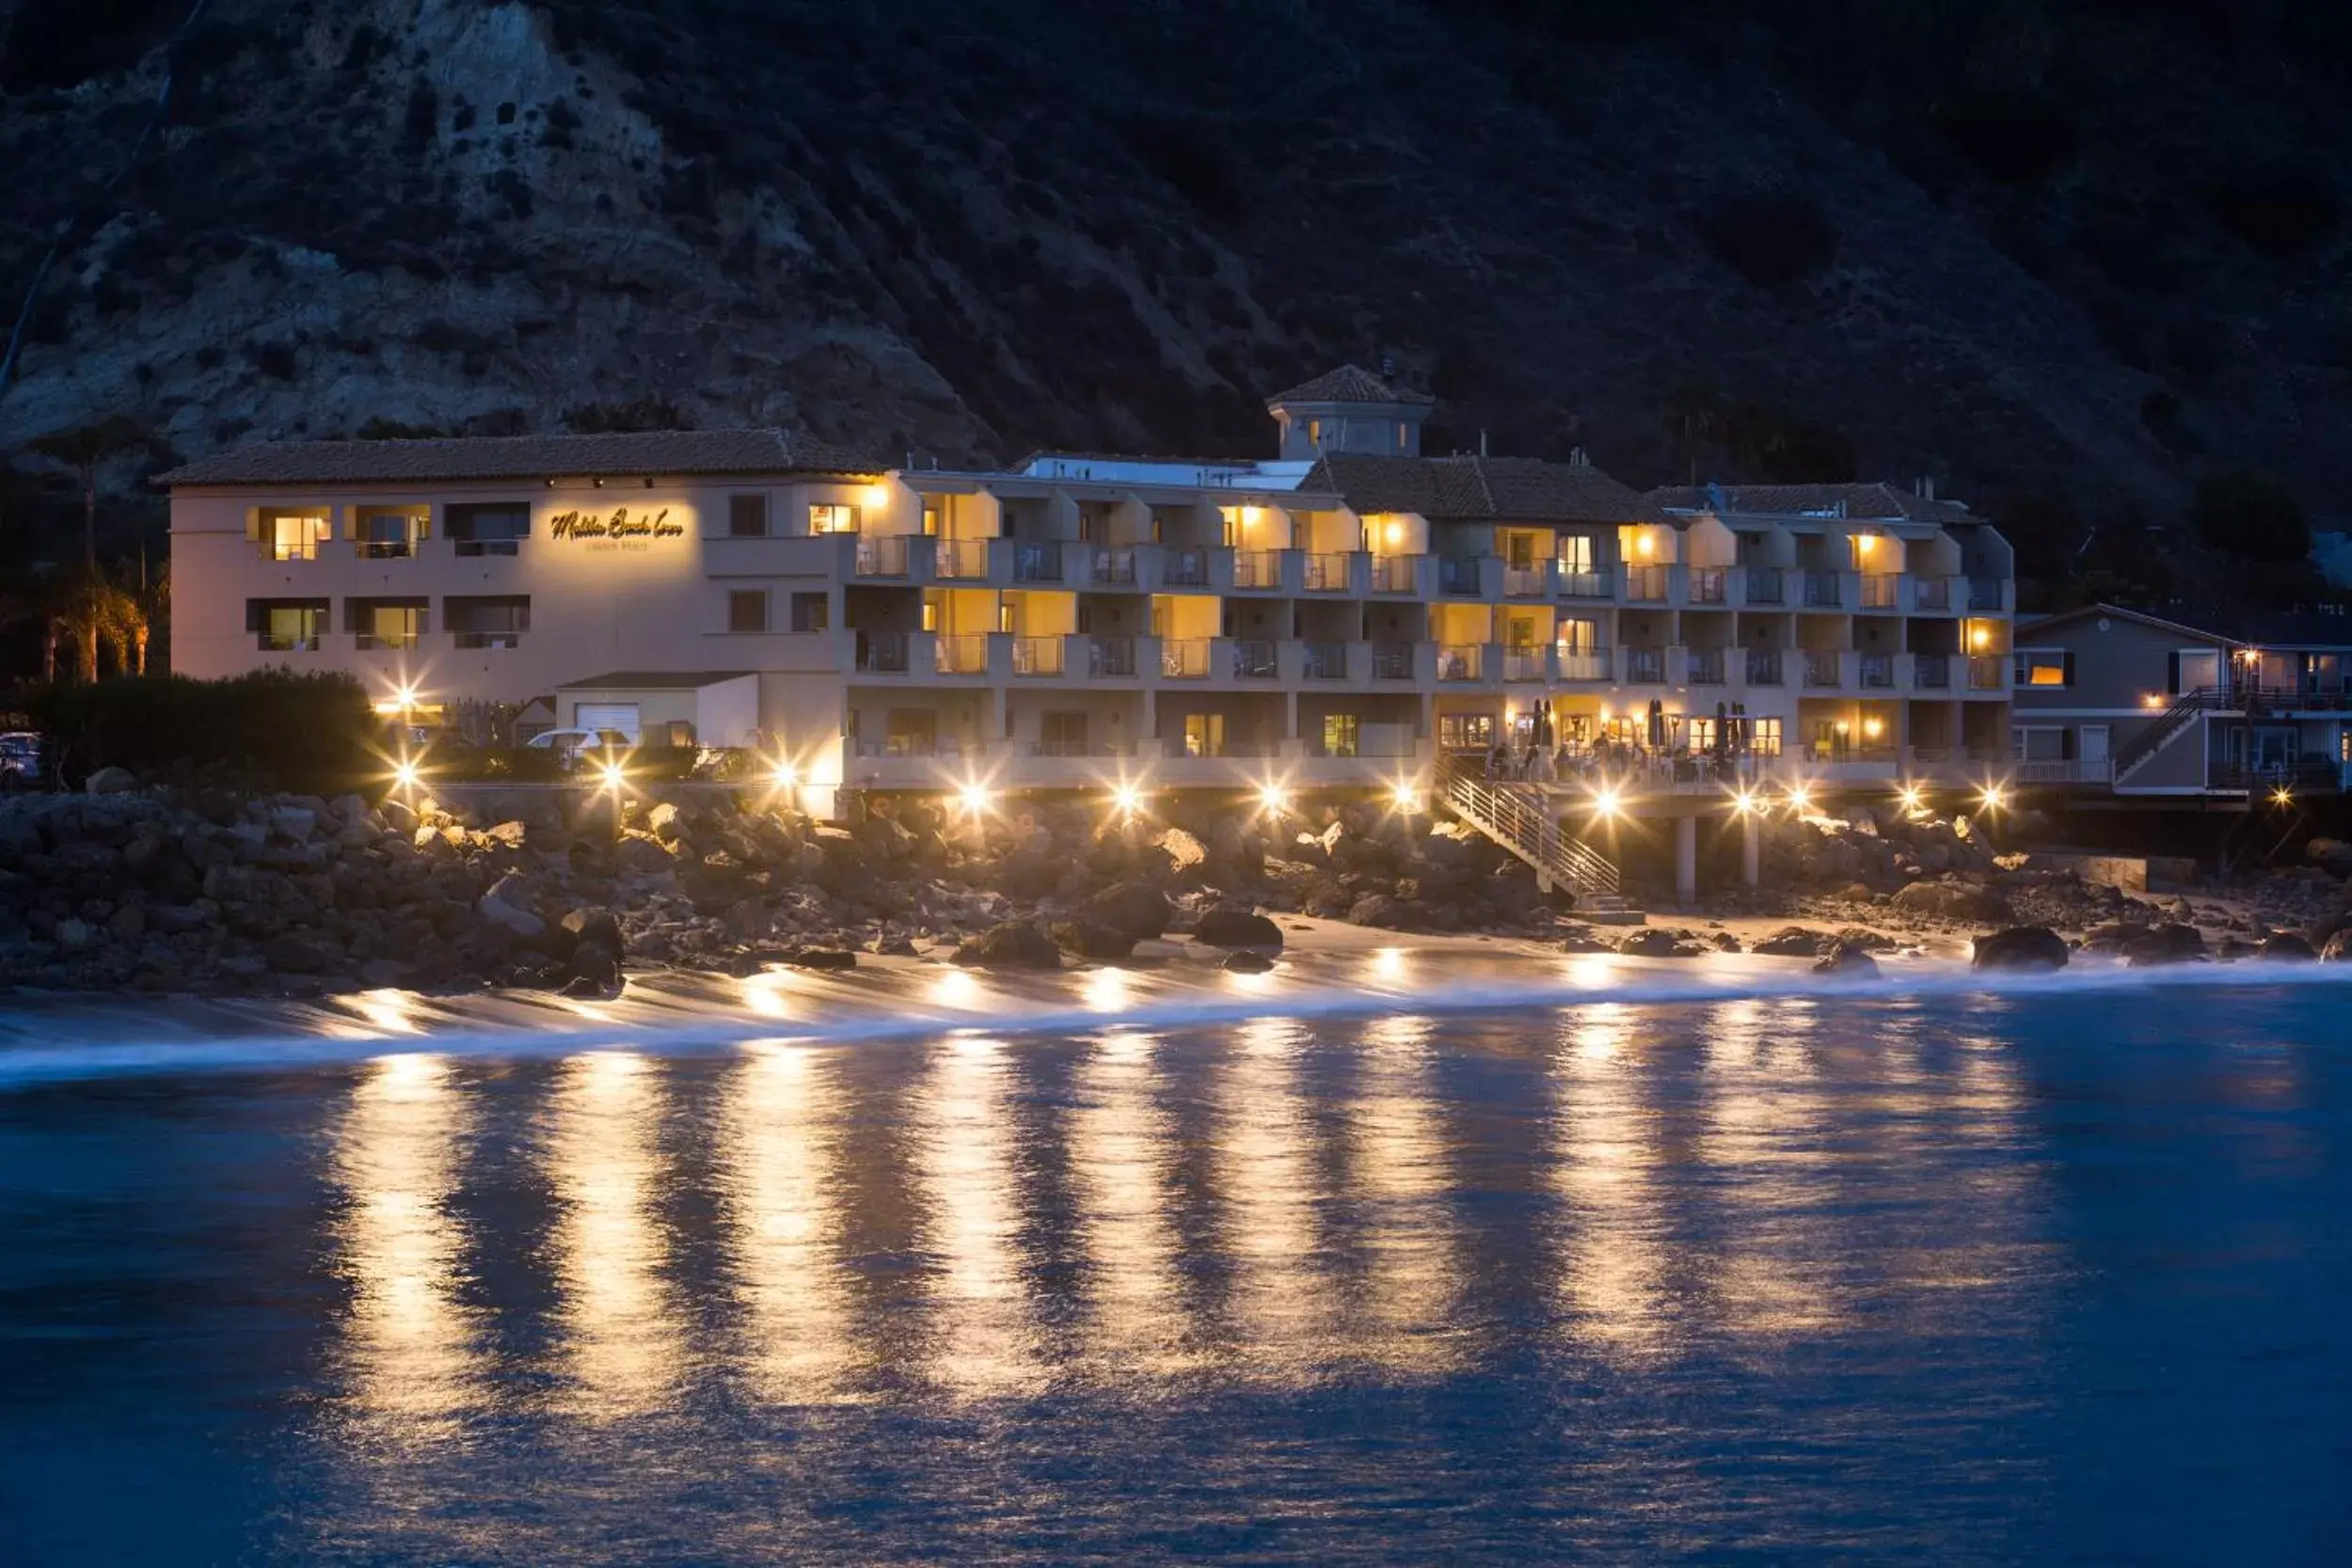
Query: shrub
[
  {"x": 314, "y": 733},
  {"x": 1770, "y": 238},
  {"x": 2252, "y": 515}
]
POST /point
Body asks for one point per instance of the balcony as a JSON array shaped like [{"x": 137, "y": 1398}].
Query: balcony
[
  {"x": 1036, "y": 655},
  {"x": 1705, "y": 666},
  {"x": 1530, "y": 581},
  {"x": 1584, "y": 585},
  {"x": 881, "y": 557},
  {"x": 1253, "y": 659},
  {"x": 1931, "y": 593},
  {"x": 1460, "y": 576},
  {"x": 1709, "y": 585},
  {"x": 1645, "y": 666},
  {"x": 1646, "y": 584},
  {"x": 1988, "y": 672},
  {"x": 1882, "y": 590},
  {"x": 1931, "y": 672},
  {"x": 1877, "y": 671},
  {"x": 1259, "y": 569},
  {"x": 1184, "y": 658},
  {"x": 288, "y": 642},
  {"x": 1766, "y": 585},
  {"x": 1589, "y": 664},
  {"x": 965, "y": 654},
  {"x": 1111, "y": 657},
  {"x": 1187, "y": 568},
  {"x": 1395, "y": 573},
  {"x": 475, "y": 641},
  {"x": 1323, "y": 662},
  {"x": 881, "y": 653},
  {"x": 1525, "y": 664},
  {"x": 1987, "y": 594},
  {"x": 1461, "y": 662},
  {"x": 1821, "y": 668},
  {"x": 1036, "y": 562},
  {"x": 960, "y": 560},
  {"x": 1821, "y": 592},
  {"x": 1763, "y": 667},
  {"x": 1391, "y": 661},
  {"x": 1113, "y": 567},
  {"x": 1328, "y": 573}
]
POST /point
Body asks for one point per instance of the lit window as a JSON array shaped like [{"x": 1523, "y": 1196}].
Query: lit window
[
  {"x": 930, "y": 519},
  {"x": 832, "y": 518},
  {"x": 388, "y": 534},
  {"x": 295, "y": 535},
  {"x": 1460, "y": 732},
  {"x": 387, "y": 622},
  {"x": 1314, "y": 433},
  {"x": 2042, "y": 667},
  {"x": 1339, "y": 734}
]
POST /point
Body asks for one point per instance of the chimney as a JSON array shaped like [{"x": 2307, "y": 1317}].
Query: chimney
[
  {"x": 1580, "y": 458},
  {"x": 1482, "y": 440},
  {"x": 1387, "y": 367}
]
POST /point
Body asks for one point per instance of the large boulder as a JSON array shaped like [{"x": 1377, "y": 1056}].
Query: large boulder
[
  {"x": 1852, "y": 963},
  {"x": 2339, "y": 948},
  {"x": 1089, "y": 939},
  {"x": 1015, "y": 945},
  {"x": 2169, "y": 943},
  {"x": 111, "y": 781},
  {"x": 2020, "y": 947},
  {"x": 1960, "y": 902},
  {"x": 508, "y": 904},
  {"x": 301, "y": 953},
  {"x": 1247, "y": 960},
  {"x": 2285, "y": 946},
  {"x": 1233, "y": 926},
  {"x": 1793, "y": 942},
  {"x": 1137, "y": 909},
  {"x": 1650, "y": 942}
]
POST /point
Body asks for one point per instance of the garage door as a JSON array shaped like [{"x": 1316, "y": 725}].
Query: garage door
[{"x": 607, "y": 715}]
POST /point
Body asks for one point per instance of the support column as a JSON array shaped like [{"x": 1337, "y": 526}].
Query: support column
[
  {"x": 1751, "y": 852},
  {"x": 1686, "y": 860}
]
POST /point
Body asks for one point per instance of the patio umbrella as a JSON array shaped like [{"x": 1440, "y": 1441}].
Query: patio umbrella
[
  {"x": 1657, "y": 725},
  {"x": 1542, "y": 724},
  {"x": 1723, "y": 732}
]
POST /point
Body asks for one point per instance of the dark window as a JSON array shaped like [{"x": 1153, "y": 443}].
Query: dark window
[
  {"x": 1062, "y": 735},
  {"x": 487, "y": 620},
  {"x": 490, "y": 528},
  {"x": 747, "y": 609},
  {"x": 810, "y": 612},
  {"x": 286, "y": 626},
  {"x": 747, "y": 516},
  {"x": 387, "y": 622}
]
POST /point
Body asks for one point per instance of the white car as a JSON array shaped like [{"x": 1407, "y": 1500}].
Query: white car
[{"x": 570, "y": 743}]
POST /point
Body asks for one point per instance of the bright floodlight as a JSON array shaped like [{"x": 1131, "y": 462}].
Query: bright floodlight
[
  {"x": 1743, "y": 802},
  {"x": 614, "y": 777},
  {"x": 975, "y": 798},
  {"x": 1995, "y": 797},
  {"x": 1273, "y": 796},
  {"x": 1911, "y": 796},
  {"x": 1127, "y": 798},
  {"x": 405, "y": 775},
  {"x": 406, "y": 696},
  {"x": 1606, "y": 801},
  {"x": 785, "y": 775},
  {"x": 1405, "y": 798},
  {"x": 2283, "y": 796}
]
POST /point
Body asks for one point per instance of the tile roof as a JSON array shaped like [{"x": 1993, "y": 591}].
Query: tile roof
[
  {"x": 484, "y": 457},
  {"x": 1350, "y": 384},
  {"x": 1507, "y": 489},
  {"x": 1860, "y": 500},
  {"x": 655, "y": 680}
]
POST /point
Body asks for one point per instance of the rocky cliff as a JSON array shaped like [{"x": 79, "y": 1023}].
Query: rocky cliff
[{"x": 2093, "y": 247}]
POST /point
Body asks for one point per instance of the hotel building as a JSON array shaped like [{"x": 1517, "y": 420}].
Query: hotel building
[{"x": 1335, "y": 616}]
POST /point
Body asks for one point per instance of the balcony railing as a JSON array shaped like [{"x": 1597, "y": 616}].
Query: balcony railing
[
  {"x": 1646, "y": 584},
  {"x": 881, "y": 653},
  {"x": 1931, "y": 593},
  {"x": 1931, "y": 672},
  {"x": 1254, "y": 659},
  {"x": 1036, "y": 655},
  {"x": 1184, "y": 658},
  {"x": 1766, "y": 585},
  {"x": 472, "y": 642},
  {"x": 1821, "y": 591},
  {"x": 1820, "y": 669},
  {"x": 1185, "y": 568},
  {"x": 1525, "y": 664},
  {"x": 1391, "y": 661},
  {"x": 1394, "y": 574},
  {"x": 1709, "y": 584},
  {"x": 1257, "y": 569},
  {"x": 1526, "y": 582},
  {"x": 1877, "y": 670},
  {"x": 1461, "y": 662},
  {"x": 1114, "y": 565},
  {"x": 388, "y": 640},
  {"x": 385, "y": 549},
  {"x": 1111, "y": 657},
  {"x": 1584, "y": 585},
  {"x": 1706, "y": 667},
  {"x": 1327, "y": 573},
  {"x": 1458, "y": 576},
  {"x": 1988, "y": 672},
  {"x": 1986, "y": 594},
  {"x": 884, "y": 557},
  {"x": 1325, "y": 661},
  {"x": 1037, "y": 562},
  {"x": 1645, "y": 666},
  {"x": 1589, "y": 664},
  {"x": 960, "y": 560},
  {"x": 1881, "y": 589},
  {"x": 965, "y": 654},
  {"x": 1763, "y": 668},
  {"x": 288, "y": 642}
]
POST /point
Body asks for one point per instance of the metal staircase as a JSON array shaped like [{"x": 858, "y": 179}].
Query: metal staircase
[
  {"x": 2169, "y": 725},
  {"x": 1519, "y": 817}
]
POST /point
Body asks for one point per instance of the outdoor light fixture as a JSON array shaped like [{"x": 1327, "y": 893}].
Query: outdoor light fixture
[
  {"x": 1405, "y": 798},
  {"x": 975, "y": 798},
  {"x": 1981, "y": 638},
  {"x": 1607, "y": 801},
  {"x": 2152, "y": 700},
  {"x": 1800, "y": 799},
  {"x": 1874, "y": 728},
  {"x": 2283, "y": 796},
  {"x": 1273, "y": 796},
  {"x": 1911, "y": 796},
  {"x": 1744, "y": 802},
  {"x": 1995, "y": 797},
  {"x": 405, "y": 775},
  {"x": 785, "y": 775},
  {"x": 1127, "y": 799},
  {"x": 1394, "y": 534},
  {"x": 614, "y": 777}
]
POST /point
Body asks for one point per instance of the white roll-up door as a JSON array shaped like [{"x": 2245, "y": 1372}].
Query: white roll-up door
[{"x": 607, "y": 715}]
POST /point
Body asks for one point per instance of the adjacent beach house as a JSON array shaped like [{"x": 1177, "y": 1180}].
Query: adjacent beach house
[{"x": 1338, "y": 615}]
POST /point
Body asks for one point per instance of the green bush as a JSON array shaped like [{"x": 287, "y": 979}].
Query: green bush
[{"x": 312, "y": 734}]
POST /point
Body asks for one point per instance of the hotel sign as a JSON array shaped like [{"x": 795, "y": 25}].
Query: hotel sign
[{"x": 621, "y": 524}]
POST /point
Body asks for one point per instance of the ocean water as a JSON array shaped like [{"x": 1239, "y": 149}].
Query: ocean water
[{"x": 1304, "y": 1272}]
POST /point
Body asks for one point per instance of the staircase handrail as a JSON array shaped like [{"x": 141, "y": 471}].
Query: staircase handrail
[
  {"x": 1504, "y": 814},
  {"x": 2185, "y": 708}
]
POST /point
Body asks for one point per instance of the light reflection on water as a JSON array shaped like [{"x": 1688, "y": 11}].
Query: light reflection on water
[{"x": 1610, "y": 1282}]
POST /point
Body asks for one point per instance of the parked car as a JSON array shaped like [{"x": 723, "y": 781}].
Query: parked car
[
  {"x": 19, "y": 759},
  {"x": 569, "y": 744}
]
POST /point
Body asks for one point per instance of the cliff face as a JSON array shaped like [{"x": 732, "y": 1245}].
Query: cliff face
[{"x": 2030, "y": 245}]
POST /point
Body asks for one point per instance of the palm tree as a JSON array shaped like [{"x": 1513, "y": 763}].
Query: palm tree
[
  {"x": 88, "y": 611},
  {"x": 82, "y": 449}
]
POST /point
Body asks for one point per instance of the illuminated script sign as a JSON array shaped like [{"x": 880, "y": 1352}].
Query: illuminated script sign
[{"x": 622, "y": 524}]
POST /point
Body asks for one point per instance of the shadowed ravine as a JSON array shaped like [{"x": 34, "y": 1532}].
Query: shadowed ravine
[{"x": 1028, "y": 1271}]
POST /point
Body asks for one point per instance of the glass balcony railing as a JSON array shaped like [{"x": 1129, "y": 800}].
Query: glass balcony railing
[
  {"x": 1327, "y": 573},
  {"x": 1461, "y": 662},
  {"x": 1254, "y": 659},
  {"x": 1820, "y": 669},
  {"x": 1877, "y": 671},
  {"x": 1988, "y": 672},
  {"x": 1931, "y": 672},
  {"x": 1766, "y": 585},
  {"x": 1931, "y": 593},
  {"x": 1257, "y": 569},
  {"x": 1705, "y": 666},
  {"x": 1395, "y": 573},
  {"x": 1325, "y": 661},
  {"x": 1185, "y": 568},
  {"x": 1646, "y": 584},
  {"x": 1037, "y": 562},
  {"x": 1391, "y": 661},
  {"x": 1184, "y": 658},
  {"x": 1527, "y": 581},
  {"x": 1458, "y": 576},
  {"x": 1709, "y": 584},
  {"x": 1525, "y": 664},
  {"x": 1986, "y": 594},
  {"x": 1583, "y": 585},
  {"x": 1114, "y": 565},
  {"x": 1821, "y": 591},
  {"x": 1763, "y": 669},
  {"x": 1881, "y": 589},
  {"x": 1645, "y": 666},
  {"x": 885, "y": 557},
  {"x": 1036, "y": 655},
  {"x": 963, "y": 654},
  {"x": 1588, "y": 664},
  {"x": 881, "y": 653},
  {"x": 960, "y": 560},
  {"x": 1111, "y": 657}
]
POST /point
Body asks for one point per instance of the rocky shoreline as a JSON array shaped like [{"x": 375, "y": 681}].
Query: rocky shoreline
[{"x": 169, "y": 892}]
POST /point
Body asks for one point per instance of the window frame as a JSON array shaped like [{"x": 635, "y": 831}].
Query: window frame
[
  {"x": 834, "y": 512},
  {"x": 738, "y": 598},
  {"x": 747, "y": 507}
]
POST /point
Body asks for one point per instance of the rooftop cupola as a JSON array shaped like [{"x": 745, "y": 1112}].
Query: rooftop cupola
[{"x": 1350, "y": 410}]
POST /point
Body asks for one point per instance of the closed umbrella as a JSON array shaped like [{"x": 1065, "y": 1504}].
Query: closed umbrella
[
  {"x": 1657, "y": 725},
  {"x": 1723, "y": 732}
]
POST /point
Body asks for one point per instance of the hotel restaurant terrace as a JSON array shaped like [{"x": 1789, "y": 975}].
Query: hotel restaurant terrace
[{"x": 1339, "y": 616}]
